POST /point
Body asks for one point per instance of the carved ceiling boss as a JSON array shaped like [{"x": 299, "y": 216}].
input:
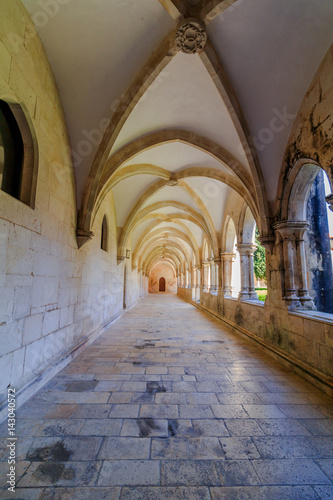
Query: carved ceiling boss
[{"x": 191, "y": 36}]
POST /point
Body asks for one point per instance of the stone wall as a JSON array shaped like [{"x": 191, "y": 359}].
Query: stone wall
[
  {"x": 54, "y": 297},
  {"x": 159, "y": 271},
  {"x": 303, "y": 340}
]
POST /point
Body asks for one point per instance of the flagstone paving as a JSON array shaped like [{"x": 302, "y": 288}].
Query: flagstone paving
[{"x": 170, "y": 404}]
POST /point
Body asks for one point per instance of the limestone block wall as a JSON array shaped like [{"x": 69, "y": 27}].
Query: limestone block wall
[
  {"x": 53, "y": 297},
  {"x": 159, "y": 271},
  {"x": 311, "y": 135}
]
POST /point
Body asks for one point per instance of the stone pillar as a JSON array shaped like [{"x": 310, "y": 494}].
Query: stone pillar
[
  {"x": 198, "y": 285},
  {"x": 193, "y": 283},
  {"x": 189, "y": 277},
  {"x": 296, "y": 293},
  {"x": 213, "y": 280},
  {"x": 227, "y": 260},
  {"x": 205, "y": 287},
  {"x": 178, "y": 280},
  {"x": 217, "y": 274},
  {"x": 286, "y": 234},
  {"x": 303, "y": 291},
  {"x": 246, "y": 252}
]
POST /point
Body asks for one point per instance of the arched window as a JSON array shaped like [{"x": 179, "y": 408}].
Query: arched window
[
  {"x": 319, "y": 244},
  {"x": 104, "y": 235},
  {"x": 231, "y": 262},
  {"x": 18, "y": 161},
  {"x": 304, "y": 235}
]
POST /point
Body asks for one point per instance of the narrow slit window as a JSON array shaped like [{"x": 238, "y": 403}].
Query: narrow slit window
[{"x": 104, "y": 235}]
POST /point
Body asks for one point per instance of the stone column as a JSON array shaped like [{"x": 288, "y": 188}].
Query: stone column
[
  {"x": 189, "y": 276},
  {"x": 213, "y": 280},
  {"x": 246, "y": 252},
  {"x": 198, "y": 285},
  {"x": 217, "y": 274},
  {"x": 227, "y": 260},
  {"x": 193, "y": 283},
  {"x": 205, "y": 265},
  {"x": 303, "y": 291},
  {"x": 286, "y": 233}
]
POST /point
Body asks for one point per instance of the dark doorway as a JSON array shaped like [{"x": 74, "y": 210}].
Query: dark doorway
[{"x": 161, "y": 285}]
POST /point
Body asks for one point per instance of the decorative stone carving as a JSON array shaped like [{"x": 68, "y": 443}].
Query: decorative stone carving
[
  {"x": 172, "y": 181},
  {"x": 191, "y": 36},
  {"x": 268, "y": 242},
  {"x": 82, "y": 236}
]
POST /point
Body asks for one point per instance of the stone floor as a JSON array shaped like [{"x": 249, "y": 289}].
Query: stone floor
[{"x": 168, "y": 404}]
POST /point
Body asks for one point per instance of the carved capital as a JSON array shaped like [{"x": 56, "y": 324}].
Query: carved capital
[
  {"x": 228, "y": 257},
  {"x": 82, "y": 236},
  {"x": 291, "y": 230},
  {"x": 191, "y": 36},
  {"x": 268, "y": 242},
  {"x": 246, "y": 248}
]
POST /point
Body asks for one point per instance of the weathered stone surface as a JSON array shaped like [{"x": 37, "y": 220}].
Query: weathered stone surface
[{"x": 160, "y": 443}]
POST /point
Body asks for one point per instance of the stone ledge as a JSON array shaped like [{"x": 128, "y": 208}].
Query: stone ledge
[
  {"x": 254, "y": 302},
  {"x": 318, "y": 316}
]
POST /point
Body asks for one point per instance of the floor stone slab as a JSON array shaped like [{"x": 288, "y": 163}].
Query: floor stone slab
[
  {"x": 264, "y": 493},
  {"x": 130, "y": 472},
  {"x": 163, "y": 493},
  {"x": 293, "y": 471},
  {"x": 188, "y": 473},
  {"x": 236, "y": 473},
  {"x": 124, "y": 448}
]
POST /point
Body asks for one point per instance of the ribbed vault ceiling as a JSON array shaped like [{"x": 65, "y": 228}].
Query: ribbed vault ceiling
[{"x": 169, "y": 133}]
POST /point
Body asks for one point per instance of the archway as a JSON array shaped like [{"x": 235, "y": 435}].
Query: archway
[{"x": 161, "y": 285}]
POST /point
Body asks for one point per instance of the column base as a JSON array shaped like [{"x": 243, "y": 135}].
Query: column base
[
  {"x": 248, "y": 295},
  {"x": 292, "y": 302},
  {"x": 307, "y": 303}
]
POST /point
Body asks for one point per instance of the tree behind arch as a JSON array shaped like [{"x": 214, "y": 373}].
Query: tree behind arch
[{"x": 259, "y": 259}]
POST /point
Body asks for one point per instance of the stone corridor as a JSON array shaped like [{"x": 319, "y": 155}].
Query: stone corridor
[{"x": 169, "y": 404}]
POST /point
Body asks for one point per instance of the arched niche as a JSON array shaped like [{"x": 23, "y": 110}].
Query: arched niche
[{"x": 18, "y": 153}]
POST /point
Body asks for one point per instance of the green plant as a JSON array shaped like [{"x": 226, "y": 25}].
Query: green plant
[{"x": 259, "y": 259}]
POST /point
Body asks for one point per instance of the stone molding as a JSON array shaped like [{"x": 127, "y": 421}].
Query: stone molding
[{"x": 82, "y": 236}]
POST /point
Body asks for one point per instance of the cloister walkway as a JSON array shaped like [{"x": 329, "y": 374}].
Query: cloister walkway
[{"x": 170, "y": 404}]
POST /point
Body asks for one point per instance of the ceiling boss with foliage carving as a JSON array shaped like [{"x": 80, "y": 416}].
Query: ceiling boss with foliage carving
[{"x": 191, "y": 36}]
